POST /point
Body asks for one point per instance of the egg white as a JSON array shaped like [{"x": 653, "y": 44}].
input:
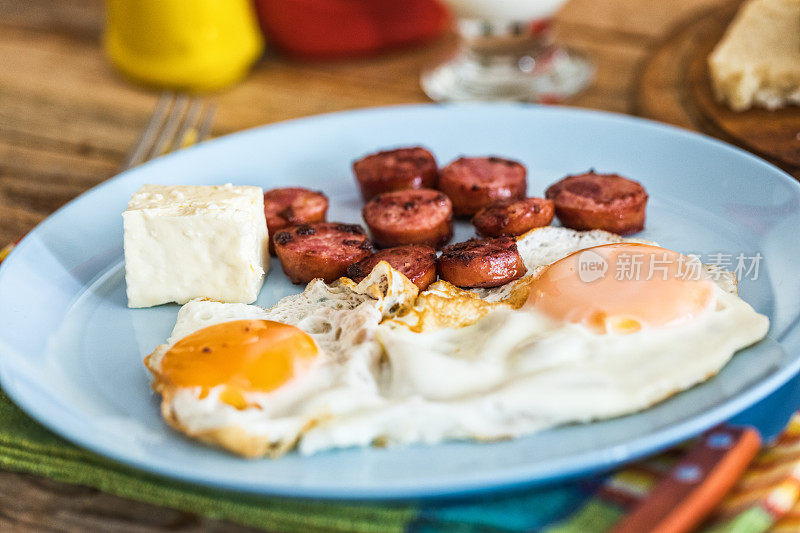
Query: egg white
[
  {"x": 514, "y": 372},
  {"x": 458, "y": 365},
  {"x": 341, "y": 318},
  {"x": 541, "y": 247}
]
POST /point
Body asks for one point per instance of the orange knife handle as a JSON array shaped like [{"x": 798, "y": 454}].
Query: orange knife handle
[{"x": 691, "y": 490}]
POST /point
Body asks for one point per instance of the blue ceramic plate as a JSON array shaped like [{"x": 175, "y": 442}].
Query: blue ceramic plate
[{"x": 71, "y": 351}]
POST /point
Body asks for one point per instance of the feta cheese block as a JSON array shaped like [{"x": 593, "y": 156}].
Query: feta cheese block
[
  {"x": 184, "y": 242},
  {"x": 757, "y": 63}
]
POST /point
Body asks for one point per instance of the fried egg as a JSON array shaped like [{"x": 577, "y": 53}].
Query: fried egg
[
  {"x": 445, "y": 305},
  {"x": 375, "y": 363},
  {"x": 580, "y": 348},
  {"x": 252, "y": 380}
]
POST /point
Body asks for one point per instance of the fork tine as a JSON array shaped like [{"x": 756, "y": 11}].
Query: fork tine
[
  {"x": 148, "y": 136},
  {"x": 190, "y": 122},
  {"x": 205, "y": 127},
  {"x": 176, "y": 115},
  {"x": 177, "y": 120}
]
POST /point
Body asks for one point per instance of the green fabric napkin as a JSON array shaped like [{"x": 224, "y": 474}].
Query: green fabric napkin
[{"x": 25, "y": 446}]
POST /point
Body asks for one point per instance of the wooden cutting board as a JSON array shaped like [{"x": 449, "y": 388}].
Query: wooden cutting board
[{"x": 674, "y": 86}]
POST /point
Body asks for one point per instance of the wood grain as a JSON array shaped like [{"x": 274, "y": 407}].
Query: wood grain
[
  {"x": 73, "y": 118},
  {"x": 35, "y": 504},
  {"x": 67, "y": 120}
]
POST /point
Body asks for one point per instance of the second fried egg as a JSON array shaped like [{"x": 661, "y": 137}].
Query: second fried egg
[{"x": 577, "y": 350}]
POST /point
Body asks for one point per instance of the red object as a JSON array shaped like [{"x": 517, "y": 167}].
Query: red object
[
  {"x": 417, "y": 216},
  {"x": 481, "y": 263},
  {"x": 346, "y": 28},
  {"x": 599, "y": 201},
  {"x": 417, "y": 263},
  {"x": 513, "y": 217},
  {"x": 396, "y": 170},
  {"x": 290, "y": 206},
  {"x": 473, "y": 183},
  {"x": 322, "y": 250}
]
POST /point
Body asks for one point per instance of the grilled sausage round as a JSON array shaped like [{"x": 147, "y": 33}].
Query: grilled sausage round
[
  {"x": 513, "y": 217},
  {"x": 473, "y": 183},
  {"x": 599, "y": 201},
  {"x": 421, "y": 216},
  {"x": 322, "y": 250},
  {"x": 416, "y": 262},
  {"x": 291, "y": 206},
  {"x": 481, "y": 263},
  {"x": 396, "y": 170}
]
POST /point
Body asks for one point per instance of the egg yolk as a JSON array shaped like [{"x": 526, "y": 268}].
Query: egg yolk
[
  {"x": 242, "y": 356},
  {"x": 622, "y": 288}
]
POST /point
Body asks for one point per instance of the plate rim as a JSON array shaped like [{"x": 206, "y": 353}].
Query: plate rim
[{"x": 587, "y": 463}]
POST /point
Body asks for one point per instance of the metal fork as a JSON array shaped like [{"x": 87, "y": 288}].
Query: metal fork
[{"x": 177, "y": 121}]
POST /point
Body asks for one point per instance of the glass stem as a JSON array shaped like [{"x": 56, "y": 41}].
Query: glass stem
[{"x": 513, "y": 44}]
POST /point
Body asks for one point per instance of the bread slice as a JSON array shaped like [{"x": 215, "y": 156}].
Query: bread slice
[{"x": 757, "y": 62}]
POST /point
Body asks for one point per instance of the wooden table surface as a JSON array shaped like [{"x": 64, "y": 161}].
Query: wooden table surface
[{"x": 67, "y": 121}]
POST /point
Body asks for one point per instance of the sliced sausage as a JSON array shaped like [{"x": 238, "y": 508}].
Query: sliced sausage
[
  {"x": 513, "y": 217},
  {"x": 322, "y": 250},
  {"x": 416, "y": 262},
  {"x": 291, "y": 206},
  {"x": 481, "y": 263},
  {"x": 396, "y": 170},
  {"x": 599, "y": 201},
  {"x": 422, "y": 216},
  {"x": 473, "y": 183}
]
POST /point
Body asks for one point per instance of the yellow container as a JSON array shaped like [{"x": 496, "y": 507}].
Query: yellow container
[{"x": 188, "y": 45}]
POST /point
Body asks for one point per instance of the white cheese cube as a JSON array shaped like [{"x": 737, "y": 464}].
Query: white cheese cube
[{"x": 184, "y": 242}]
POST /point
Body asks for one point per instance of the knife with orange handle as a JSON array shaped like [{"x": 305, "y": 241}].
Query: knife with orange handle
[{"x": 690, "y": 491}]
